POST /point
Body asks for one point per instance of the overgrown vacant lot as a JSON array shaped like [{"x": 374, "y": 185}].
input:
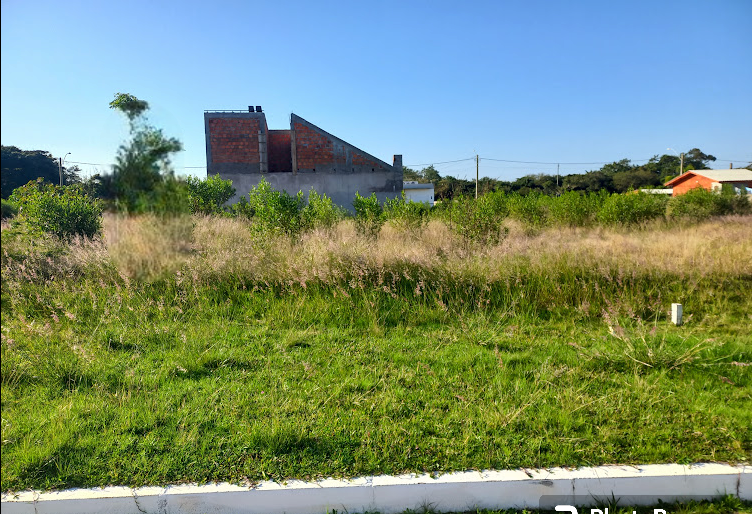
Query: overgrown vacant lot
[{"x": 192, "y": 349}]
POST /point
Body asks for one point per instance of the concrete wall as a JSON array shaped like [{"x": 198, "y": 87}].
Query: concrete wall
[
  {"x": 300, "y": 159},
  {"x": 421, "y": 193},
  {"x": 340, "y": 188}
]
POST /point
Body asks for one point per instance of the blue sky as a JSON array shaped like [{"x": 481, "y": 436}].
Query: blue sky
[{"x": 549, "y": 81}]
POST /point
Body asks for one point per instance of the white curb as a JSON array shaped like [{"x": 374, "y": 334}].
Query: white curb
[{"x": 463, "y": 491}]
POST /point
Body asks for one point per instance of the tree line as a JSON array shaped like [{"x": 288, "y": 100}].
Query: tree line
[{"x": 616, "y": 177}]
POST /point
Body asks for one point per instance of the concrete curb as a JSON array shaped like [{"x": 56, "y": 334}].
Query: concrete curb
[{"x": 462, "y": 491}]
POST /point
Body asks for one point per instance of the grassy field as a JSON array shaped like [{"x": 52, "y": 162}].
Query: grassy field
[{"x": 192, "y": 350}]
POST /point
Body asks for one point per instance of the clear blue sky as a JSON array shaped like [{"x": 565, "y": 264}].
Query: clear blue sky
[{"x": 552, "y": 81}]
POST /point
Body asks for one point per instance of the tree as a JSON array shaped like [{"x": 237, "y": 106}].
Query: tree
[
  {"x": 430, "y": 174},
  {"x": 21, "y": 166},
  {"x": 410, "y": 174},
  {"x": 142, "y": 164},
  {"x": 695, "y": 159}
]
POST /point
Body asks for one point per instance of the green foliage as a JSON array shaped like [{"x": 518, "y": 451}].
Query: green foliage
[
  {"x": 576, "y": 209},
  {"x": 142, "y": 163},
  {"x": 699, "y": 204},
  {"x": 478, "y": 220},
  {"x": 131, "y": 106},
  {"x": 275, "y": 211},
  {"x": 407, "y": 215},
  {"x": 242, "y": 209},
  {"x": 320, "y": 212},
  {"x": 170, "y": 196},
  {"x": 63, "y": 211},
  {"x": 21, "y": 166},
  {"x": 9, "y": 209},
  {"x": 531, "y": 209},
  {"x": 630, "y": 209},
  {"x": 210, "y": 195},
  {"x": 369, "y": 215}
]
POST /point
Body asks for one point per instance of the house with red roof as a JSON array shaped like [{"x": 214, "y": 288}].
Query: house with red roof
[{"x": 712, "y": 180}]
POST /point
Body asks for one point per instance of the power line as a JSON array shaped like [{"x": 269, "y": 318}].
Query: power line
[
  {"x": 445, "y": 162},
  {"x": 572, "y": 163}
]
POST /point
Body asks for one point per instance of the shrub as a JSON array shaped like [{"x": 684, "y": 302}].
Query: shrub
[
  {"x": 209, "y": 196},
  {"x": 368, "y": 214},
  {"x": 168, "y": 197},
  {"x": 477, "y": 220},
  {"x": 531, "y": 209},
  {"x": 631, "y": 208},
  {"x": 275, "y": 211},
  {"x": 699, "y": 204},
  {"x": 575, "y": 209},
  {"x": 406, "y": 214},
  {"x": 320, "y": 212},
  {"x": 9, "y": 209},
  {"x": 64, "y": 211}
]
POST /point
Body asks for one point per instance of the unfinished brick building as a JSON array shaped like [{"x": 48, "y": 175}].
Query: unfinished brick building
[{"x": 240, "y": 147}]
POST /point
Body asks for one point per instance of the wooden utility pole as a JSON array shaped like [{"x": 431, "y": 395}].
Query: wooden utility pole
[
  {"x": 681, "y": 166},
  {"x": 477, "y": 165}
]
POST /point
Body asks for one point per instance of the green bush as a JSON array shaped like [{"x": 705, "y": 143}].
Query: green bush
[
  {"x": 477, "y": 220},
  {"x": 631, "y": 208},
  {"x": 320, "y": 212},
  {"x": 168, "y": 197},
  {"x": 64, "y": 211},
  {"x": 699, "y": 204},
  {"x": 369, "y": 215},
  {"x": 275, "y": 211},
  {"x": 576, "y": 209},
  {"x": 209, "y": 196},
  {"x": 406, "y": 214},
  {"x": 531, "y": 209},
  {"x": 9, "y": 209}
]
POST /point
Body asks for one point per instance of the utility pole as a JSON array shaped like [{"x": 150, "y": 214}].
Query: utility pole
[
  {"x": 60, "y": 166},
  {"x": 477, "y": 165},
  {"x": 557, "y": 178},
  {"x": 681, "y": 165}
]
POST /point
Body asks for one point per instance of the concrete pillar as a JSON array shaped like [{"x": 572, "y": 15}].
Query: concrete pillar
[
  {"x": 263, "y": 156},
  {"x": 676, "y": 314}
]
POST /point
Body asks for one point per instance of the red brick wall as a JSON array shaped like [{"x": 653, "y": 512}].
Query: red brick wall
[
  {"x": 690, "y": 182},
  {"x": 234, "y": 140},
  {"x": 312, "y": 148},
  {"x": 279, "y": 148},
  {"x": 359, "y": 160}
]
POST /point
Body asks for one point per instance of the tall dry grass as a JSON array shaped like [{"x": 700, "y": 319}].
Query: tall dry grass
[{"x": 146, "y": 248}]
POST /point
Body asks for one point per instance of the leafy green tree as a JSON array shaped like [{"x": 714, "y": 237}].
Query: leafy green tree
[
  {"x": 430, "y": 174},
  {"x": 21, "y": 166},
  {"x": 697, "y": 159},
  {"x": 410, "y": 174},
  {"x": 142, "y": 162}
]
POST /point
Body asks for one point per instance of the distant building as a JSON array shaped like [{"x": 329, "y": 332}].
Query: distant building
[
  {"x": 416, "y": 192},
  {"x": 651, "y": 191},
  {"x": 240, "y": 147},
  {"x": 712, "y": 180}
]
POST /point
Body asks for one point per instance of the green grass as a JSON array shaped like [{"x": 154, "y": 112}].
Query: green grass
[{"x": 200, "y": 376}]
